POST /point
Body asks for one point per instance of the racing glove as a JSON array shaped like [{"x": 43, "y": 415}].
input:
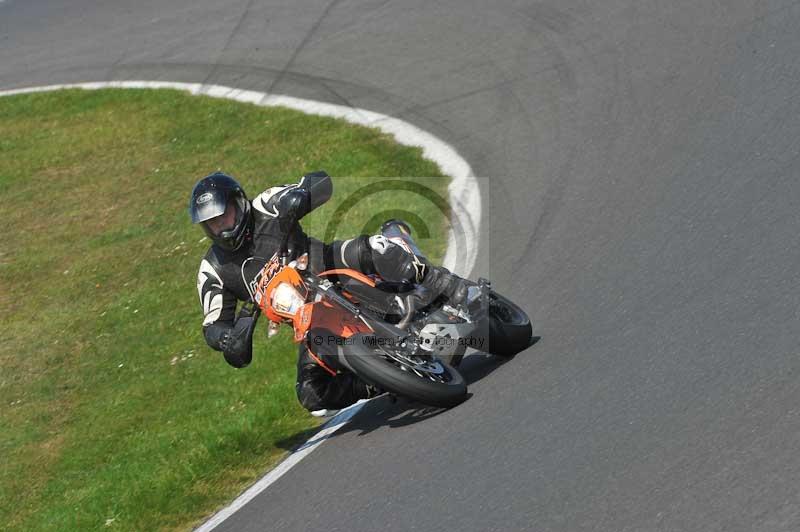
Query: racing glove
[
  {"x": 237, "y": 342},
  {"x": 295, "y": 202}
]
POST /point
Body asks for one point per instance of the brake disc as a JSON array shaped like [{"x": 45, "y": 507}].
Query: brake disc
[{"x": 433, "y": 367}]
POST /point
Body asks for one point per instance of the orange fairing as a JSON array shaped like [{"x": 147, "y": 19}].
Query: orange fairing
[
  {"x": 282, "y": 295},
  {"x": 326, "y": 316},
  {"x": 286, "y": 275}
]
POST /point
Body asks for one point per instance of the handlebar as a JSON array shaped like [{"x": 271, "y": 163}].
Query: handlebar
[{"x": 283, "y": 250}]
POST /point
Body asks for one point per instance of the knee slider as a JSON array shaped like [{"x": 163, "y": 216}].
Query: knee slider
[
  {"x": 355, "y": 253},
  {"x": 381, "y": 244},
  {"x": 396, "y": 264},
  {"x": 308, "y": 396}
]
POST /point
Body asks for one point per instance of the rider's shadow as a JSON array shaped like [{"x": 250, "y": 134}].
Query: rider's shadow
[
  {"x": 396, "y": 412},
  {"x": 385, "y": 411},
  {"x": 477, "y": 365},
  {"x": 380, "y": 412}
]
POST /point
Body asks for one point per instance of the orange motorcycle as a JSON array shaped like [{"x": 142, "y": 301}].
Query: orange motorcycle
[{"x": 395, "y": 336}]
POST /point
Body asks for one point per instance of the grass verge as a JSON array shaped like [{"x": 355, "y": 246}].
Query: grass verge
[{"x": 113, "y": 412}]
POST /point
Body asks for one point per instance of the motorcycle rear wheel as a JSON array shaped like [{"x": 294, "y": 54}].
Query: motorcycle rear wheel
[
  {"x": 510, "y": 328},
  {"x": 376, "y": 365}
]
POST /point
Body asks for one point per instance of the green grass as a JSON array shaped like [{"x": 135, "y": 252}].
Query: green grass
[{"x": 114, "y": 414}]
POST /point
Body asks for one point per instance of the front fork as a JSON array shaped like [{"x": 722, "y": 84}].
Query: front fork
[{"x": 485, "y": 286}]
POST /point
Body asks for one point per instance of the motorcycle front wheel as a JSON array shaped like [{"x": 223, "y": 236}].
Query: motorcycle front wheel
[{"x": 394, "y": 369}]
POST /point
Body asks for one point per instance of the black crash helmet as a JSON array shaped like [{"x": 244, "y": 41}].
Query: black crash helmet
[{"x": 219, "y": 204}]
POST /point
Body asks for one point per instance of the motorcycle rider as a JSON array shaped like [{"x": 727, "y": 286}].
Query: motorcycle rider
[{"x": 246, "y": 234}]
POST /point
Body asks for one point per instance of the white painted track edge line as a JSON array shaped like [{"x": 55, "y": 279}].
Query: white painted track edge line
[
  {"x": 464, "y": 196},
  {"x": 331, "y": 426}
]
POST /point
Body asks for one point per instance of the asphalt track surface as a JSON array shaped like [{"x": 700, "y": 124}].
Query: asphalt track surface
[{"x": 643, "y": 188}]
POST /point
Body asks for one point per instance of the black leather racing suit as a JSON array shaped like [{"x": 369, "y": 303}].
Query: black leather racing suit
[{"x": 225, "y": 278}]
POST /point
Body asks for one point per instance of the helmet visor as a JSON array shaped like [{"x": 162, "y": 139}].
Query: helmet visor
[{"x": 225, "y": 222}]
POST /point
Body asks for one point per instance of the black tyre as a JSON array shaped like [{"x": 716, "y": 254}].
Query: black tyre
[
  {"x": 510, "y": 328},
  {"x": 379, "y": 365}
]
